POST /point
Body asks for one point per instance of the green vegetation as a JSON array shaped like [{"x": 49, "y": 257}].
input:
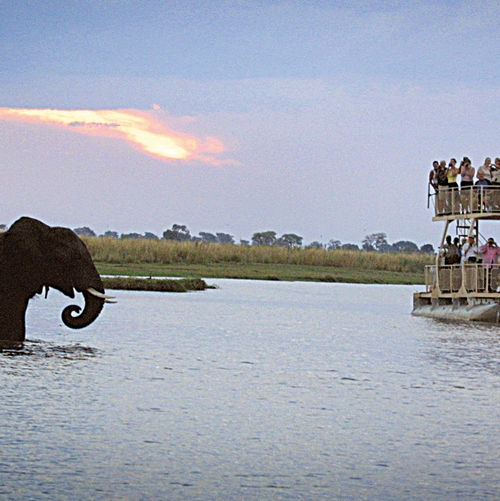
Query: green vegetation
[
  {"x": 284, "y": 272},
  {"x": 151, "y": 284},
  {"x": 143, "y": 257}
]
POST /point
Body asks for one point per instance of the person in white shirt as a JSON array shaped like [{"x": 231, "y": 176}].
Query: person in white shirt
[
  {"x": 486, "y": 168},
  {"x": 469, "y": 251}
]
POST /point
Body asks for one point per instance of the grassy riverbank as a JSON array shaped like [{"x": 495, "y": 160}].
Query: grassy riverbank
[
  {"x": 264, "y": 272},
  {"x": 150, "y": 258}
]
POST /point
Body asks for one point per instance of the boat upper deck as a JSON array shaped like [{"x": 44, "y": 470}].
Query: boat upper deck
[{"x": 472, "y": 202}]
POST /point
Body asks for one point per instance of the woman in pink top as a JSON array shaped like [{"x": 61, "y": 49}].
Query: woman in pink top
[
  {"x": 490, "y": 252},
  {"x": 467, "y": 172}
]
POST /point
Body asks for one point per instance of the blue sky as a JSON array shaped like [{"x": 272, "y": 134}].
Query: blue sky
[{"x": 334, "y": 111}]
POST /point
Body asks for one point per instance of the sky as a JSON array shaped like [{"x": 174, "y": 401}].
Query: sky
[{"x": 314, "y": 117}]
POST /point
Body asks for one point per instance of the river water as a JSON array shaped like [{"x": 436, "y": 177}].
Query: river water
[{"x": 253, "y": 391}]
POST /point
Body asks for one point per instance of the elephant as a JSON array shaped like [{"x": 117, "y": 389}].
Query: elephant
[{"x": 33, "y": 256}]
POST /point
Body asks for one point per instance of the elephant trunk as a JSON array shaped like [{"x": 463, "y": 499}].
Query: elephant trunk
[{"x": 93, "y": 306}]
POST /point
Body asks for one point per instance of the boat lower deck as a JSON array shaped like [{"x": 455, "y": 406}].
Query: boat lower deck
[{"x": 480, "y": 307}]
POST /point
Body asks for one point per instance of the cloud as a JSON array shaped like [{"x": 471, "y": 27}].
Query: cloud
[{"x": 139, "y": 128}]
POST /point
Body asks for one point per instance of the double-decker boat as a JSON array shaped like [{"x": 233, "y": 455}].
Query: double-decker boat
[{"x": 465, "y": 291}]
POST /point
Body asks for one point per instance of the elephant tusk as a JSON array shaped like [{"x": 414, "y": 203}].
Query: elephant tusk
[
  {"x": 109, "y": 301},
  {"x": 98, "y": 294}
]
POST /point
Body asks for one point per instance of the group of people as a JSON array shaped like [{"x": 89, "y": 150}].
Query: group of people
[
  {"x": 467, "y": 252},
  {"x": 443, "y": 179}
]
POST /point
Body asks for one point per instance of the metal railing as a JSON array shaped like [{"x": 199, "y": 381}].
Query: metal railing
[
  {"x": 477, "y": 278},
  {"x": 468, "y": 200}
]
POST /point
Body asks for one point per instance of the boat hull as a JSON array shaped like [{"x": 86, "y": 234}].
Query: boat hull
[{"x": 461, "y": 309}]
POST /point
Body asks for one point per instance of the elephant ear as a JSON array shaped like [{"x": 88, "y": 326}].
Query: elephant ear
[
  {"x": 67, "y": 259},
  {"x": 23, "y": 251}
]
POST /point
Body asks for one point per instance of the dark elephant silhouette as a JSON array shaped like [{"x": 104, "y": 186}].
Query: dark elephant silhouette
[{"x": 33, "y": 256}]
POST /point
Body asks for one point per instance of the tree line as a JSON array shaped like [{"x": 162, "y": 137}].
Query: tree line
[{"x": 375, "y": 242}]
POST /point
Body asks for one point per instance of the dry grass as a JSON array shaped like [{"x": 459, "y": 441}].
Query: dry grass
[{"x": 130, "y": 251}]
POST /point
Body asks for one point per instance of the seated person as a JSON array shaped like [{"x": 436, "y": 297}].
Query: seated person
[{"x": 481, "y": 192}]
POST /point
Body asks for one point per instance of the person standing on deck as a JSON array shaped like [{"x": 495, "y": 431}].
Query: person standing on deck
[
  {"x": 433, "y": 177},
  {"x": 454, "y": 195},
  {"x": 469, "y": 251},
  {"x": 495, "y": 181},
  {"x": 442, "y": 181},
  {"x": 467, "y": 173},
  {"x": 490, "y": 252},
  {"x": 451, "y": 254},
  {"x": 495, "y": 172}
]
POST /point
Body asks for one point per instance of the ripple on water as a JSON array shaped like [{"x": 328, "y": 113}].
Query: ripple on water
[{"x": 44, "y": 349}]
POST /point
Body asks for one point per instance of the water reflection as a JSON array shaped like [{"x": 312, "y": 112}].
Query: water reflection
[
  {"x": 39, "y": 348},
  {"x": 471, "y": 348}
]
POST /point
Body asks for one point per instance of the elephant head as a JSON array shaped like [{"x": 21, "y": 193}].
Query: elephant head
[{"x": 33, "y": 256}]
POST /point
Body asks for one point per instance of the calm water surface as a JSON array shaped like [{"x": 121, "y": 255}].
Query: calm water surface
[{"x": 253, "y": 391}]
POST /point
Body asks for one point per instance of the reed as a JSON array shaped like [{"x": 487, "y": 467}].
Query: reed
[{"x": 137, "y": 251}]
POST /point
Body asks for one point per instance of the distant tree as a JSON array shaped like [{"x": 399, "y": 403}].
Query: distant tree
[
  {"x": 244, "y": 242},
  {"x": 178, "y": 232},
  {"x": 349, "y": 247},
  {"x": 3, "y": 227},
  {"x": 131, "y": 235},
  {"x": 150, "y": 236},
  {"x": 380, "y": 240},
  {"x": 208, "y": 237},
  {"x": 405, "y": 246},
  {"x": 333, "y": 244},
  {"x": 110, "y": 234},
  {"x": 289, "y": 240},
  {"x": 264, "y": 238},
  {"x": 85, "y": 231},
  {"x": 386, "y": 248},
  {"x": 182, "y": 229},
  {"x": 368, "y": 243},
  {"x": 224, "y": 238},
  {"x": 427, "y": 248},
  {"x": 316, "y": 245},
  {"x": 374, "y": 241}
]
